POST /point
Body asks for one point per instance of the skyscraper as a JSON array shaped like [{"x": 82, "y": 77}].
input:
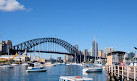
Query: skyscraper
[
  {"x": 85, "y": 52},
  {"x": 94, "y": 48},
  {"x": 100, "y": 53},
  {"x": 108, "y": 50}
]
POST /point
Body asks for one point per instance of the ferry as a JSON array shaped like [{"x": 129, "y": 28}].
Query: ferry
[{"x": 74, "y": 78}]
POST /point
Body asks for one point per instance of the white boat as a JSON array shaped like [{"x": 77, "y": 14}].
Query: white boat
[
  {"x": 49, "y": 64},
  {"x": 74, "y": 78},
  {"x": 35, "y": 67},
  {"x": 98, "y": 63},
  {"x": 36, "y": 70},
  {"x": 74, "y": 64},
  {"x": 8, "y": 66},
  {"x": 25, "y": 64},
  {"x": 14, "y": 64},
  {"x": 92, "y": 69},
  {"x": 80, "y": 64}
]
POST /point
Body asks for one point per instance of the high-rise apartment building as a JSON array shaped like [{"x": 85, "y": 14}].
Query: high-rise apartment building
[
  {"x": 103, "y": 55},
  {"x": 108, "y": 50},
  {"x": 100, "y": 53},
  {"x": 5, "y": 46}
]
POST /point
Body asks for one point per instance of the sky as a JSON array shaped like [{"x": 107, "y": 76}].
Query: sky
[{"x": 112, "y": 22}]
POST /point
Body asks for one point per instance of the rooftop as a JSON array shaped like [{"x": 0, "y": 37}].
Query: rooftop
[{"x": 116, "y": 52}]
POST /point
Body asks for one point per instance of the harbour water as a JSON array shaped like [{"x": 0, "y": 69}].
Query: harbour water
[{"x": 18, "y": 73}]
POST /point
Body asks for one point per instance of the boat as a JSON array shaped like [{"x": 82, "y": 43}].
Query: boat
[
  {"x": 98, "y": 63},
  {"x": 25, "y": 64},
  {"x": 35, "y": 67},
  {"x": 96, "y": 67},
  {"x": 74, "y": 78},
  {"x": 49, "y": 64},
  {"x": 36, "y": 64},
  {"x": 74, "y": 64},
  {"x": 92, "y": 69},
  {"x": 6, "y": 66},
  {"x": 80, "y": 64},
  {"x": 14, "y": 64}
]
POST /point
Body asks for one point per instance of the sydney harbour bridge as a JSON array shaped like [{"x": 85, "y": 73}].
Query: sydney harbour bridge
[{"x": 49, "y": 45}]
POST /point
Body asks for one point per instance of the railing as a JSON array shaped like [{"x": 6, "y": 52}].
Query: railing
[{"x": 128, "y": 72}]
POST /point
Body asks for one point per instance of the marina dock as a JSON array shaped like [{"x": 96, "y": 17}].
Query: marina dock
[{"x": 122, "y": 72}]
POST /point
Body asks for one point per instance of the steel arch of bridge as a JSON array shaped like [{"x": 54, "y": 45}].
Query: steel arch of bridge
[{"x": 34, "y": 42}]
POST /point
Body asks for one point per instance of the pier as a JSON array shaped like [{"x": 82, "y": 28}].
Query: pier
[{"x": 122, "y": 72}]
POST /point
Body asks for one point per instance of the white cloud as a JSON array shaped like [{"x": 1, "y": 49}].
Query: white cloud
[{"x": 10, "y": 5}]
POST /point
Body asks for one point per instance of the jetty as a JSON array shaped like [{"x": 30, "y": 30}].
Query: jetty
[{"x": 117, "y": 68}]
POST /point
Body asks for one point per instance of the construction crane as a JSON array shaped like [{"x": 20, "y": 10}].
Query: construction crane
[{"x": 15, "y": 56}]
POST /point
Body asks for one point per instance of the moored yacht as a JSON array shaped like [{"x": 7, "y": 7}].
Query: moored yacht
[
  {"x": 92, "y": 69},
  {"x": 24, "y": 64},
  {"x": 96, "y": 67},
  {"x": 35, "y": 67},
  {"x": 14, "y": 64}
]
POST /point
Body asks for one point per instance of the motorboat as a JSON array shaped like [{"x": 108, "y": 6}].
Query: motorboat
[
  {"x": 35, "y": 67},
  {"x": 93, "y": 68},
  {"x": 74, "y": 78},
  {"x": 36, "y": 64}
]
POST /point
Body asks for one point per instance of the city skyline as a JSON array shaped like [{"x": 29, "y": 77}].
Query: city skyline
[{"x": 113, "y": 23}]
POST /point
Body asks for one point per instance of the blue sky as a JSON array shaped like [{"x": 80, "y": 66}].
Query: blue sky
[{"x": 112, "y": 22}]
